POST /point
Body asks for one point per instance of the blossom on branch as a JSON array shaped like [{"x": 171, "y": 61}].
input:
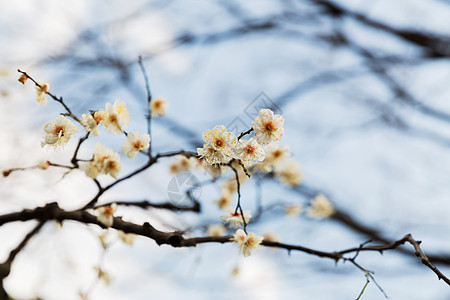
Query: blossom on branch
[
  {"x": 268, "y": 127},
  {"x": 210, "y": 156},
  {"x": 221, "y": 139},
  {"x": 117, "y": 117},
  {"x": 41, "y": 92},
  {"x": 59, "y": 132},
  {"x": 90, "y": 124},
  {"x": 234, "y": 219},
  {"x": 135, "y": 142},
  {"x": 101, "y": 117},
  {"x": 320, "y": 207},
  {"x": 250, "y": 152},
  {"x": 247, "y": 242},
  {"x": 105, "y": 161},
  {"x": 158, "y": 107},
  {"x": 106, "y": 214}
]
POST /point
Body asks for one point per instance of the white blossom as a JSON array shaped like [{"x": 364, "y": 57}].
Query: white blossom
[
  {"x": 268, "y": 127},
  {"x": 320, "y": 207},
  {"x": 106, "y": 214},
  {"x": 135, "y": 142},
  {"x": 210, "y": 156},
  {"x": 158, "y": 107},
  {"x": 59, "y": 132},
  {"x": 235, "y": 219},
  {"x": 221, "y": 139},
  {"x": 105, "y": 161},
  {"x": 90, "y": 124},
  {"x": 117, "y": 118},
  {"x": 247, "y": 242},
  {"x": 249, "y": 151},
  {"x": 41, "y": 92},
  {"x": 101, "y": 117}
]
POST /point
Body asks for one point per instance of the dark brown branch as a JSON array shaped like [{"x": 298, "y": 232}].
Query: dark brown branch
[
  {"x": 436, "y": 46},
  {"x": 425, "y": 260},
  {"x": 350, "y": 222},
  {"x": 146, "y": 204},
  {"x": 53, "y": 212},
  {"x": 175, "y": 153},
  {"x": 153, "y": 160},
  {"x": 238, "y": 204},
  {"x": 74, "y": 159}
]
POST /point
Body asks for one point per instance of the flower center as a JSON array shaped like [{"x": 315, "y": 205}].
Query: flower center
[
  {"x": 111, "y": 165},
  {"x": 219, "y": 143},
  {"x": 108, "y": 211},
  {"x": 249, "y": 149},
  {"x": 59, "y": 131},
  {"x": 98, "y": 118},
  {"x": 251, "y": 242},
  {"x": 112, "y": 118},
  {"x": 269, "y": 126},
  {"x": 137, "y": 145}
]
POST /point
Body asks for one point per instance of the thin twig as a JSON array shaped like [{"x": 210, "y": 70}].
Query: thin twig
[
  {"x": 238, "y": 205},
  {"x": 149, "y": 100},
  {"x": 74, "y": 159},
  {"x": 60, "y": 99},
  {"x": 245, "y": 133}
]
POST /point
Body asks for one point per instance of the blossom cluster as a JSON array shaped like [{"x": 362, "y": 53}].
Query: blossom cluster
[
  {"x": 104, "y": 161},
  {"x": 221, "y": 145},
  {"x": 115, "y": 117},
  {"x": 260, "y": 153}
]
